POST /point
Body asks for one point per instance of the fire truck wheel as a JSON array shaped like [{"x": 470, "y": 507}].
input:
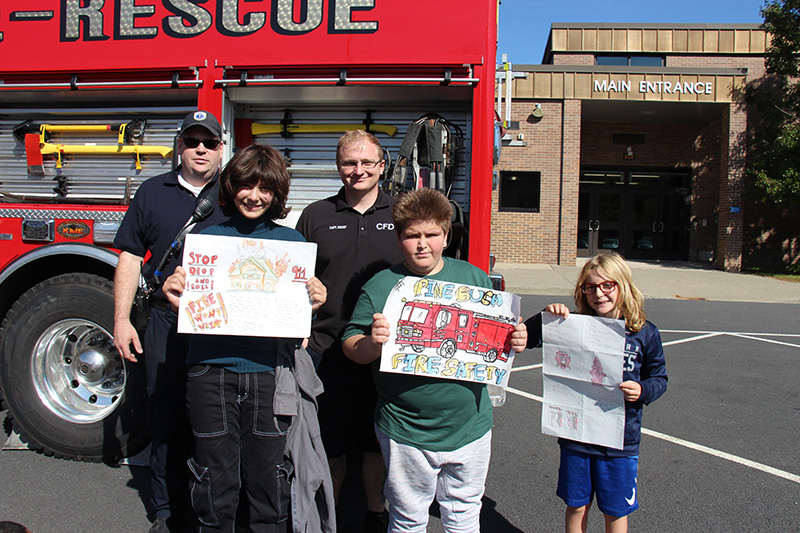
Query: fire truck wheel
[
  {"x": 68, "y": 391},
  {"x": 490, "y": 356},
  {"x": 417, "y": 348},
  {"x": 447, "y": 348}
]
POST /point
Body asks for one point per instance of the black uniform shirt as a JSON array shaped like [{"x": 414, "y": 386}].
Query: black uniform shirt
[
  {"x": 157, "y": 213},
  {"x": 351, "y": 249}
]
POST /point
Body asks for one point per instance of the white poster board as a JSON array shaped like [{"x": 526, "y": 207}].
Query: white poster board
[
  {"x": 247, "y": 287},
  {"x": 449, "y": 330},
  {"x": 582, "y": 360}
]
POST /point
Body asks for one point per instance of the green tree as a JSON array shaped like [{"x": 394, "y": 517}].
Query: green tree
[{"x": 775, "y": 166}]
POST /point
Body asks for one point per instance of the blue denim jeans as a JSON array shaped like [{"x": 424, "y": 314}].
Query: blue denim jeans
[{"x": 239, "y": 444}]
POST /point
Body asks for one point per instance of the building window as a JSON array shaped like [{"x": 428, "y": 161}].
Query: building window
[
  {"x": 629, "y": 61},
  {"x": 519, "y": 191},
  {"x": 616, "y": 61}
]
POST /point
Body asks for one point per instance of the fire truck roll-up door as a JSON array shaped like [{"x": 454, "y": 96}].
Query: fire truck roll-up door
[
  {"x": 86, "y": 177},
  {"x": 312, "y": 155},
  {"x": 106, "y": 178}
]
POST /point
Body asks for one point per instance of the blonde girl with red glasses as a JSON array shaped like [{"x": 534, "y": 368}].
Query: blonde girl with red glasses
[{"x": 605, "y": 289}]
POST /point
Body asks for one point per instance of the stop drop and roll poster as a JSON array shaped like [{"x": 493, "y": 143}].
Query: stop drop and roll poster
[{"x": 247, "y": 287}]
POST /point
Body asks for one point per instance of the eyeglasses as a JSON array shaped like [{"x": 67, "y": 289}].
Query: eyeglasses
[
  {"x": 605, "y": 287},
  {"x": 191, "y": 142},
  {"x": 366, "y": 164}
]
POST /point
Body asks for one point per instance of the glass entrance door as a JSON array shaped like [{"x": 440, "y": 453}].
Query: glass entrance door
[
  {"x": 600, "y": 212},
  {"x": 676, "y": 209},
  {"x": 642, "y": 215},
  {"x": 643, "y": 228},
  {"x": 659, "y": 215}
]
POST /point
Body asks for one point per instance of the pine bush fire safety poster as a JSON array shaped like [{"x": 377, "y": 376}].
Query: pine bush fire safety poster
[
  {"x": 582, "y": 360},
  {"x": 449, "y": 330},
  {"x": 247, "y": 287}
]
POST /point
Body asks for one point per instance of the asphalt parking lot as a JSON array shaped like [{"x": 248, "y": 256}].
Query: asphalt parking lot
[{"x": 719, "y": 451}]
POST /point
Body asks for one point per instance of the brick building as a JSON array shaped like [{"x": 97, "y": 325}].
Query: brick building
[{"x": 632, "y": 137}]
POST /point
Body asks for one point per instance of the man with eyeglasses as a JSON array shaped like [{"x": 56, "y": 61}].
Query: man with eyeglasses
[
  {"x": 355, "y": 237},
  {"x": 160, "y": 208}
]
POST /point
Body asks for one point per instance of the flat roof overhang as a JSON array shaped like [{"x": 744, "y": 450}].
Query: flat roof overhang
[{"x": 616, "y": 111}]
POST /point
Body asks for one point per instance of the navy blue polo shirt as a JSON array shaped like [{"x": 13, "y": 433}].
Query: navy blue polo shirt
[
  {"x": 157, "y": 213},
  {"x": 351, "y": 248}
]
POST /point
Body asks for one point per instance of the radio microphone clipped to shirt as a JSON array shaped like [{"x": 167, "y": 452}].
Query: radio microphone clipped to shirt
[{"x": 202, "y": 211}]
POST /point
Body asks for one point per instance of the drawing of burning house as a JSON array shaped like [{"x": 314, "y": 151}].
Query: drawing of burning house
[{"x": 253, "y": 274}]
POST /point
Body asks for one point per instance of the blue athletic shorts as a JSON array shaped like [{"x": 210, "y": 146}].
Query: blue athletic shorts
[{"x": 612, "y": 479}]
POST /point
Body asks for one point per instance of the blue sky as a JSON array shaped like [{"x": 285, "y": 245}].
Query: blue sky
[{"x": 525, "y": 24}]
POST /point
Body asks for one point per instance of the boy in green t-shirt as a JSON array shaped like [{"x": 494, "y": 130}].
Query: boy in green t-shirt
[{"x": 435, "y": 434}]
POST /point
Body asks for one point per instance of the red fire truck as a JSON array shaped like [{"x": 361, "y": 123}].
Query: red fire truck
[
  {"x": 91, "y": 95},
  {"x": 449, "y": 328}
]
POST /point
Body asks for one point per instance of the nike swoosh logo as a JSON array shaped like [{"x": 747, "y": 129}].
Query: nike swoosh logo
[{"x": 632, "y": 498}]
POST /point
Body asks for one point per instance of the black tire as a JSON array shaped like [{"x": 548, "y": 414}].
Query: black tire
[
  {"x": 68, "y": 391},
  {"x": 490, "y": 356},
  {"x": 447, "y": 348},
  {"x": 417, "y": 348}
]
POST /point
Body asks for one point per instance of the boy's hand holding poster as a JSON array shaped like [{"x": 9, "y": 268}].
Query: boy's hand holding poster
[
  {"x": 449, "y": 330},
  {"x": 582, "y": 358},
  {"x": 248, "y": 287}
]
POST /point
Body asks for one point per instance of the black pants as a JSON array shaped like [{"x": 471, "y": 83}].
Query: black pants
[
  {"x": 347, "y": 407},
  {"x": 170, "y": 438},
  {"x": 238, "y": 443}
]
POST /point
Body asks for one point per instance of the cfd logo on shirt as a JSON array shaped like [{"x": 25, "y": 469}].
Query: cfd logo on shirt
[{"x": 384, "y": 226}]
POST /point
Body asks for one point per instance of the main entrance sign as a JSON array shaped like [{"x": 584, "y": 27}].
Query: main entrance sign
[{"x": 657, "y": 87}]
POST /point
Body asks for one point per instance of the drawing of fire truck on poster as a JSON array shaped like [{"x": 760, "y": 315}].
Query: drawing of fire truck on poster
[
  {"x": 449, "y": 327},
  {"x": 447, "y": 330}
]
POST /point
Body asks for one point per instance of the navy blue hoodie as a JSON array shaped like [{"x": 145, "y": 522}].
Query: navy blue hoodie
[{"x": 644, "y": 363}]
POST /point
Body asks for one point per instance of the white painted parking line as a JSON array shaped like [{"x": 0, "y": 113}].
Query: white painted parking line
[
  {"x": 751, "y": 336},
  {"x": 723, "y": 455},
  {"x": 528, "y": 367},
  {"x": 742, "y": 336},
  {"x": 681, "y": 442},
  {"x": 690, "y": 339},
  {"x": 759, "y": 334},
  {"x": 524, "y": 394}
]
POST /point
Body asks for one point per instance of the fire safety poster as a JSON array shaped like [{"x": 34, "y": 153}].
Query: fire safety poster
[
  {"x": 449, "y": 330},
  {"x": 248, "y": 287},
  {"x": 582, "y": 364}
]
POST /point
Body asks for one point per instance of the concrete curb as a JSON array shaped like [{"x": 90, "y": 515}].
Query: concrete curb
[{"x": 679, "y": 280}]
